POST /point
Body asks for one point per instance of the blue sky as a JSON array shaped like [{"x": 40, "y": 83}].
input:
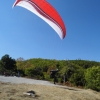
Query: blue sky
[{"x": 23, "y": 34}]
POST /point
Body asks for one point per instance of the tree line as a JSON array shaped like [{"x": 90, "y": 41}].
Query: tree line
[{"x": 83, "y": 73}]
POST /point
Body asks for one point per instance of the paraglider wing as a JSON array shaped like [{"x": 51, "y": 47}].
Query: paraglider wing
[{"x": 45, "y": 11}]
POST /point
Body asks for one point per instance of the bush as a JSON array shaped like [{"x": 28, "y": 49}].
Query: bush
[
  {"x": 77, "y": 78},
  {"x": 47, "y": 76},
  {"x": 34, "y": 72},
  {"x": 92, "y": 77}
]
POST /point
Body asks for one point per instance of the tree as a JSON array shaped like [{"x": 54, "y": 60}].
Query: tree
[
  {"x": 92, "y": 77},
  {"x": 8, "y": 63},
  {"x": 20, "y": 59},
  {"x": 77, "y": 78},
  {"x": 2, "y": 69},
  {"x": 34, "y": 72},
  {"x": 20, "y": 62}
]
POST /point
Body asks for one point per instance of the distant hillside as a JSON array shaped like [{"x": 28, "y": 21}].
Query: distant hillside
[{"x": 71, "y": 72}]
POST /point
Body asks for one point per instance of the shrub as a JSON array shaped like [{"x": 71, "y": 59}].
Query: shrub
[
  {"x": 34, "y": 72},
  {"x": 92, "y": 77},
  {"x": 77, "y": 78}
]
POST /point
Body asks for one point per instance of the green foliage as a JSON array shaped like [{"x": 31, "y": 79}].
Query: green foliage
[
  {"x": 2, "y": 69},
  {"x": 92, "y": 77},
  {"x": 77, "y": 72},
  {"x": 71, "y": 71},
  {"x": 77, "y": 78},
  {"x": 34, "y": 72},
  {"x": 8, "y": 63},
  {"x": 47, "y": 77},
  {"x": 30, "y": 72},
  {"x": 85, "y": 63}
]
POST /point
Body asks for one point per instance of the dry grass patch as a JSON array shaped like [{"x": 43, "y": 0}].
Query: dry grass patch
[{"x": 10, "y": 91}]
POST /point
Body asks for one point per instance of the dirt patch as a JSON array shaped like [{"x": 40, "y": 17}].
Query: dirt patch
[{"x": 9, "y": 91}]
